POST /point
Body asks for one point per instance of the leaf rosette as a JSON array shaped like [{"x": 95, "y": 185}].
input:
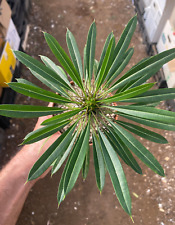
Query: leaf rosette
[{"x": 87, "y": 113}]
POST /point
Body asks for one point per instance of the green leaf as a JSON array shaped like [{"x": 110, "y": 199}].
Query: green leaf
[
  {"x": 61, "y": 189},
  {"x": 138, "y": 81},
  {"x": 49, "y": 83},
  {"x": 129, "y": 93},
  {"x": 151, "y": 65},
  {"x": 147, "y": 113},
  {"x": 61, "y": 117},
  {"x": 115, "y": 144},
  {"x": 142, "y": 132},
  {"x": 116, "y": 173},
  {"x": 121, "y": 67},
  {"x": 110, "y": 36},
  {"x": 143, "y": 79},
  {"x": 74, "y": 52},
  {"x": 122, "y": 150},
  {"x": 23, "y": 81},
  {"x": 85, "y": 167},
  {"x": 154, "y": 104},
  {"x": 38, "y": 93},
  {"x": 107, "y": 61},
  {"x": 27, "y": 111},
  {"x": 58, "y": 70},
  {"x": 63, "y": 58},
  {"x": 41, "y": 69},
  {"x": 138, "y": 149},
  {"x": 140, "y": 62},
  {"x": 84, "y": 64},
  {"x": 147, "y": 122},
  {"x": 90, "y": 50},
  {"x": 98, "y": 163},
  {"x": 96, "y": 63},
  {"x": 43, "y": 132},
  {"x": 50, "y": 155},
  {"x": 61, "y": 194},
  {"x": 60, "y": 160},
  {"x": 154, "y": 96},
  {"x": 76, "y": 160},
  {"x": 123, "y": 44}
]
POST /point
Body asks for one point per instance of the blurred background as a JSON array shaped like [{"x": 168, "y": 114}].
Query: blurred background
[{"x": 21, "y": 26}]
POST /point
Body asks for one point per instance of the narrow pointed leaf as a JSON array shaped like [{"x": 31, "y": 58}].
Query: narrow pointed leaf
[
  {"x": 61, "y": 189},
  {"x": 116, "y": 173},
  {"x": 149, "y": 65},
  {"x": 143, "y": 79},
  {"x": 96, "y": 63},
  {"x": 74, "y": 52},
  {"x": 123, "y": 44},
  {"x": 138, "y": 81},
  {"x": 76, "y": 160},
  {"x": 85, "y": 167},
  {"x": 121, "y": 67},
  {"x": 98, "y": 164},
  {"x": 149, "y": 123},
  {"x": 90, "y": 49},
  {"x": 154, "y": 104},
  {"x": 61, "y": 194},
  {"x": 61, "y": 117},
  {"x": 58, "y": 70},
  {"x": 63, "y": 58},
  {"x": 143, "y": 132},
  {"x": 40, "y": 69},
  {"x": 60, "y": 160},
  {"x": 115, "y": 144},
  {"x": 154, "y": 96},
  {"x": 150, "y": 113},
  {"x": 107, "y": 61},
  {"x": 85, "y": 64},
  {"x": 38, "y": 93},
  {"x": 140, "y": 62},
  {"x": 23, "y": 81},
  {"x": 138, "y": 149},
  {"x": 27, "y": 111},
  {"x": 129, "y": 93},
  {"x": 49, "y": 83},
  {"x": 123, "y": 151},
  {"x": 50, "y": 155},
  {"x": 111, "y": 35},
  {"x": 43, "y": 132}
]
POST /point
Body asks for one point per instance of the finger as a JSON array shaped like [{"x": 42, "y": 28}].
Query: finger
[{"x": 51, "y": 104}]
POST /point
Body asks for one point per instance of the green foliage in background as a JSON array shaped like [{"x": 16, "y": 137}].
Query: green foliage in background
[{"x": 87, "y": 110}]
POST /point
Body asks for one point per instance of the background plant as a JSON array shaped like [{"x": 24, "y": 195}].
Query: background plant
[{"x": 87, "y": 110}]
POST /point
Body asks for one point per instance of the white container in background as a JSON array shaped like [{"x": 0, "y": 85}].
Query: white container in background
[
  {"x": 162, "y": 4},
  {"x": 155, "y": 17},
  {"x": 167, "y": 41},
  {"x": 143, "y": 4},
  {"x": 152, "y": 17},
  {"x": 12, "y": 36},
  {"x": 146, "y": 2},
  {"x": 167, "y": 38}
]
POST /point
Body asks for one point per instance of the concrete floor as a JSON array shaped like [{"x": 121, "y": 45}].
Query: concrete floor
[{"x": 152, "y": 196}]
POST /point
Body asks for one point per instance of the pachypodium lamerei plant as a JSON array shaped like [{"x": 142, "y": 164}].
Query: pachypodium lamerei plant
[{"x": 87, "y": 110}]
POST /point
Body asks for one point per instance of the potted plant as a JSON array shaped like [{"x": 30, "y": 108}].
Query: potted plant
[{"x": 87, "y": 112}]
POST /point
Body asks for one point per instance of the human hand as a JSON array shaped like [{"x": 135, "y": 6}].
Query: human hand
[
  {"x": 42, "y": 118},
  {"x": 35, "y": 150}
]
